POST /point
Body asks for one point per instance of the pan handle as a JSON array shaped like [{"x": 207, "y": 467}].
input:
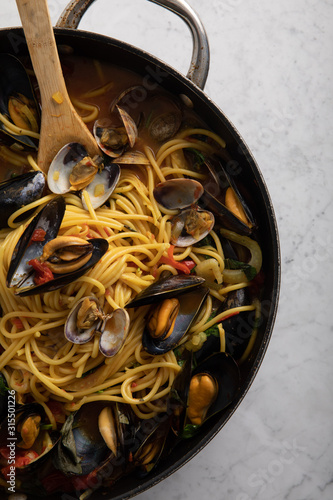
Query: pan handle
[{"x": 198, "y": 72}]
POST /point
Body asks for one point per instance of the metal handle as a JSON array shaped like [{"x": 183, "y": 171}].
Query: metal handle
[{"x": 198, "y": 72}]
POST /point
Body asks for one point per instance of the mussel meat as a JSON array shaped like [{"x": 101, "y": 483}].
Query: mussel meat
[
  {"x": 17, "y": 101},
  {"x": 180, "y": 299},
  {"x": 222, "y": 195},
  {"x": 200, "y": 393},
  {"x": 29, "y": 270}
]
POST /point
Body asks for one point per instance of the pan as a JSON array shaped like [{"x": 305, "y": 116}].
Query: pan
[{"x": 241, "y": 162}]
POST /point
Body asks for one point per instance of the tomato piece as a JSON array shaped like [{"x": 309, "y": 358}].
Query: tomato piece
[
  {"x": 38, "y": 235},
  {"x": 18, "y": 323},
  {"x": 42, "y": 272},
  {"x": 180, "y": 266}
]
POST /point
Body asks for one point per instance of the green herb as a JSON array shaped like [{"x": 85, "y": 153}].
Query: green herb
[
  {"x": 207, "y": 241},
  {"x": 46, "y": 427},
  {"x": 149, "y": 119},
  {"x": 249, "y": 271},
  {"x": 190, "y": 430},
  {"x": 3, "y": 386},
  {"x": 199, "y": 157}
]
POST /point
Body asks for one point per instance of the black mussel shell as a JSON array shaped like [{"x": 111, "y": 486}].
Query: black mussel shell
[
  {"x": 224, "y": 369},
  {"x": 21, "y": 275},
  {"x": 100, "y": 246},
  {"x": 82, "y": 448},
  {"x": 152, "y": 434},
  {"x": 190, "y": 304},
  {"x": 166, "y": 288},
  {"x": 14, "y": 80},
  {"x": 49, "y": 220},
  {"x": 216, "y": 184},
  {"x": 18, "y": 192}
]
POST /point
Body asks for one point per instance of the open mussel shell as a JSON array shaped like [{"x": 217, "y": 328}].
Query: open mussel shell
[
  {"x": 238, "y": 328},
  {"x": 153, "y": 435},
  {"x": 191, "y": 226},
  {"x": 224, "y": 373},
  {"x": 21, "y": 275},
  {"x": 190, "y": 303},
  {"x": 82, "y": 448},
  {"x": 18, "y": 192},
  {"x": 219, "y": 186},
  {"x": 14, "y": 83},
  {"x": 28, "y": 287},
  {"x": 114, "y": 330},
  {"x": 72, "y": 329},
  {"x": 178, "y": 193},
  {"x": 31, "y": 440},
  {"x": 47, "y": 220},
  {"x": 165, "y": 288}
]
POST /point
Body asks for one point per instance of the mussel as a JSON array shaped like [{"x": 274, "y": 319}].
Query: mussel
[
  {"x": 39, "y": 247},
  {"x": 97, "y": 435},
  {"x": 222, "y": 196},
  {"x": 73, "y": 170},
  {"x": 18, "y": 192},
  {"x": 33, "y": 442},
  {"x": 179, "y": 300},
  {"x": 87, "y": 318},
  {"x": 200, "y": 393},
  {"x": 191, "y": 224},
  {"x": 17, "y": 101}
]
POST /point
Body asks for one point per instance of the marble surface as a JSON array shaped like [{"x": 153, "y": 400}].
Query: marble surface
[{"x": 271, "y": 73}]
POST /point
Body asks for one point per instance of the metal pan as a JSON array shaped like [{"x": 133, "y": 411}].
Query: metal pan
[{"x": 190, "y": 87}]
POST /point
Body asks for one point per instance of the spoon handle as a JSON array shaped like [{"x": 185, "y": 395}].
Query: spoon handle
[{"x": 60, "y": 123}]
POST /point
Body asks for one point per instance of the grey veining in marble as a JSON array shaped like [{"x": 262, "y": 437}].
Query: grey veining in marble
[{"x": 271, "y": 73}]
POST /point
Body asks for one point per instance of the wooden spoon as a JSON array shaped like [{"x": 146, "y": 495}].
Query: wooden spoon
[{"x": 60, "y": 122}]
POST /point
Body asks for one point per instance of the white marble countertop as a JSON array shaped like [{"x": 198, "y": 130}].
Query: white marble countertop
[{"x": 271, "y": 73}]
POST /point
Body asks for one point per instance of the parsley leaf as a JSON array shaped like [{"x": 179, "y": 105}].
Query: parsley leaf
[{"x": 249, "y": 271}]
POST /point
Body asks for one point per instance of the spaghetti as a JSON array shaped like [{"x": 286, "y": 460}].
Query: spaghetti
[{"x": 38, "y": 362}]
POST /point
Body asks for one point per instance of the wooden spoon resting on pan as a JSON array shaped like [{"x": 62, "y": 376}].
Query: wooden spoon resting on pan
[{"x": 60, "y": 122}]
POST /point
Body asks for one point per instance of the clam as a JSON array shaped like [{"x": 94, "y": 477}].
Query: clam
[
  {"x": 73, "y": 170},
  {"x": 17, "y": 100},
  {"x": 87, "y": 317},
  {"x": 30, "y": 267},
  {"x": 165, "y": 117},
  {"x": 83, "y": 320},
  {"x": 18, "y": 192},
  {"x": 178, "y": 193},
  {"x": 114, "y": 330},
  {"x": 191, "y": 224},
  {"x": 114, "y": 139},
  {"x": 179, "y": 299}
]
